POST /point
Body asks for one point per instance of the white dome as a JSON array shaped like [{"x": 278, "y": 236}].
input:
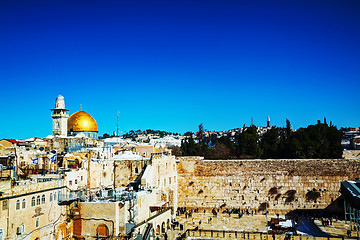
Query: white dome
[{"x": 60, "y": 102}]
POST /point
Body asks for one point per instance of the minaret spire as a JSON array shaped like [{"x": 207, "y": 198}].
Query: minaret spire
[{"x": 59, "y": 114}]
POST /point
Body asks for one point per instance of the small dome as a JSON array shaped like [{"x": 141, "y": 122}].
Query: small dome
[
  {"x": 60, "y": 102},
  {"x": 82, "y": 122},
  {"x": 59, "y": 97}
]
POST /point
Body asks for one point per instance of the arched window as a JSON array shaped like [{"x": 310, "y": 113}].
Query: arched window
[
  {"x": 17, "y": 204},
  {"x": 163, "y": 227},
  {"x": 38, "y": 200},
  {"x": 24, "y": 203},
  {"x": 22, "y": 228},
  {"x": 157, "y": 230},
  {"x": 102, "y": 230},
  {"x": 136, "y": 170},
  {"x": 43, "y": 199},
  {"x": 51, "y": 197},
  {"x": 33, "y": 201}
]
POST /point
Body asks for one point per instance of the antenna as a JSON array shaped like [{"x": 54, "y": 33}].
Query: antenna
[
  {"x": 80, "y": 107},
  {"x": 117, "y": 124},
  {"x": 252, "y": 121}
]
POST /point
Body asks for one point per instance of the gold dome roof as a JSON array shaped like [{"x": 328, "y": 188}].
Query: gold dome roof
[{"x": 81, "y": 122}]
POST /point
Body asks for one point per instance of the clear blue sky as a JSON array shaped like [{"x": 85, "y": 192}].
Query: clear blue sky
[{"x": 171, "y": 65}]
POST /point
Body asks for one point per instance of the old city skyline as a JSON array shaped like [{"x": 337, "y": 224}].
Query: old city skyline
[{"x": 193, "y": 62}]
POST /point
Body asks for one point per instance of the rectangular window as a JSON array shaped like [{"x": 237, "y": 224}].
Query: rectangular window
[
  {"x": 37, "y": 222},
  {"x": 75, "y": 181},
  {"x": 4, "y": 205},
  {"x": 70, "y": 183},
  {"x": 81, "y": 178}
]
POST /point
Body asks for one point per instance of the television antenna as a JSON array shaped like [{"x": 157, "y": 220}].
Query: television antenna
[{"x": 117, "y": 124}]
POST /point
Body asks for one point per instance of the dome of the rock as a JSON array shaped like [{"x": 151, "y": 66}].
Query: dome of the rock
[{"x": 82, "y": 122}]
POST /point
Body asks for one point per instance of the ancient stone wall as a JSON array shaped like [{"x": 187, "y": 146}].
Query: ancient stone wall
[
  {"x": 127, "y": 171},
  {"x": 351, "y": 154},
  {"x": 250, "y": 184}
]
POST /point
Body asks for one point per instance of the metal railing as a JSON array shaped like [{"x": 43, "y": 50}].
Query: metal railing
[{"x": 228, "y": 234}]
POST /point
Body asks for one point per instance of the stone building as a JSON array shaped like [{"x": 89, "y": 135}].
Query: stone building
[{"x": 30, "y": 210}]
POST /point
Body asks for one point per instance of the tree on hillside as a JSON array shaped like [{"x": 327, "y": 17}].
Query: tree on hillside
[{"x": 270, "y": 143}]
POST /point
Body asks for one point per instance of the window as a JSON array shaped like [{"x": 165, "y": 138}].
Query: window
[
  {"x": 38, "y": 200},
  {"x": 43, "y": 199},
  {"x": 54, "y": 196},
  {"x": 75, "y": 181},
  {"x": 81, "y": 178},
  {"x": 20, "y": 230},
  {"x": 37, "y": 222},
  {"x": 23, "y": 203},
  {"x": 33, "y": 201},
  {"x": 4, "y": 205},
  {"x": 51, "y": 197},
  {"x": 70, "y": 183},
  {"x": 169, "y": 180},
  {"x": 17, "y": 204}
]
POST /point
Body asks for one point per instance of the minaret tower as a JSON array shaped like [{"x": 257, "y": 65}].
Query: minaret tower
[
  {"x": 59, "y": 115},
  {"x": 268, "y": 122}
]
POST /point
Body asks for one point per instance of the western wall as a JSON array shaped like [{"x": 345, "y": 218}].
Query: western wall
[{"x": 278, "y": 185}]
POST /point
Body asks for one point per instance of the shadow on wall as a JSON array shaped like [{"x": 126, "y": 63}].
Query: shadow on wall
[{"x": 335, "y": 210}]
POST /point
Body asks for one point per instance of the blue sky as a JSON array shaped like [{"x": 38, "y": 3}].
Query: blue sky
[{"x": 171, "y": 65}]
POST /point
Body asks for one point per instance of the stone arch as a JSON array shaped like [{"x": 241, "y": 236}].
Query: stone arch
[
  {"x": 168, "y": 224},
  {"x": 157, "y": 229},
  {"x": 102, "y": 230},
  {"x": 152, "y": 232},
  {"x": 163, "y": 227}
]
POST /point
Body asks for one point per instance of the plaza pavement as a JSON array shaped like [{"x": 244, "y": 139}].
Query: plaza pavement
[{"x": 248, "y": 223}]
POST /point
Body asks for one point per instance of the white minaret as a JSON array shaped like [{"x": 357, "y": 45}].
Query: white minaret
[{"x": 59, "y": 115}]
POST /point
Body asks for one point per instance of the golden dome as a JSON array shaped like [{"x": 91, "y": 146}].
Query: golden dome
[{"x": 81, "y": 122}]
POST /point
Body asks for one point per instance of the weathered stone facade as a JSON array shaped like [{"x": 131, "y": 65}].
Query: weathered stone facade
[
  {"x": 127, "y": 171},
  {"x": 248, "y": 184}
]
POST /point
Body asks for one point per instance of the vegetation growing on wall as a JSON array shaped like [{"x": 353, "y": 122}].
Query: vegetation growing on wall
[
  {"x": 273, "y": 191},
  {"x": 263, "y": 206},
  {"x": 290, "y": 196},
  {"x": 312, "y": 195}
]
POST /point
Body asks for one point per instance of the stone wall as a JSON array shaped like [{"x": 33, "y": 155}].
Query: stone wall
[
  {"x": 127, "y": 171},
  {"x": 249, "y": 184},
  {"x": 351, "y": 154}
]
